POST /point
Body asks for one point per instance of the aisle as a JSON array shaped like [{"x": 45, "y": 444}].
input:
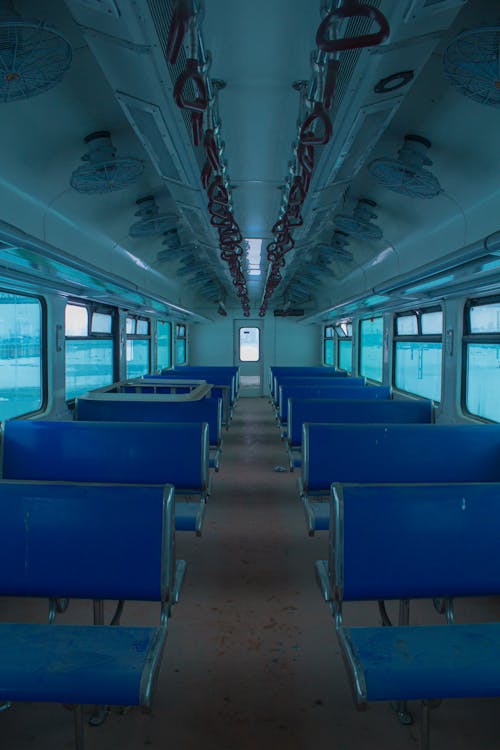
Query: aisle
[{"x": 250, "y": 605}]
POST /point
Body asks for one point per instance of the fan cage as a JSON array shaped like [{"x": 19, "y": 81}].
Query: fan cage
[
  {"x": 472, "y": 64},
  {"x": 34, "y": 57}
]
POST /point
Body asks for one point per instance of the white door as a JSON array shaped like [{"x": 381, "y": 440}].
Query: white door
[{"x": 248, "y": 355}]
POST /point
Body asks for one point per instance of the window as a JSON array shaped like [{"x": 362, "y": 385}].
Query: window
[
  {"x": 249, "y": 344},
  {"x": 180, "y": 344},
  {"x": 138, "y": 348},
  {"x": 328, "y": 345},
  {"x": 89, "y": 348},
  {"x": 344, "y": 345},
  {"x": 418, "y": 353},
  {"x": 482, "y": 358},
  {"x": 345, "y": 354},
  {"x": 370, "y": 352},
  {"x": 20, "y": 355},
  {"x": 163, "y": 345}
]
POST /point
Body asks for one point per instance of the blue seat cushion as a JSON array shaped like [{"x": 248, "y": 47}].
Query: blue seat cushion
[
  {"x": 419, "y": 662},
  {"x": 78, "y": 664}
]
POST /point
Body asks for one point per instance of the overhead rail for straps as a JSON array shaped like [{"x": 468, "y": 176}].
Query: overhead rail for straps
[
  {"x": 195, "y": 92},
  {"x": 315, "y": 127}
]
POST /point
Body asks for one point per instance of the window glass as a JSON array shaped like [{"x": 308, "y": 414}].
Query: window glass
[
  {"x": 142, "y": 328},
  {"x": 164, "y": 345},
  {"x": 137, "y": 357},
  {"x": 20, "y": 355},
  {"x": 76, "y": 320},
  {"x": 344, "y": 329},
  {"x": 370, "y": 364},
  {"x": 249, "y": 344},
  {"x": 432, "y": 322},
  {"x": 101, "y": 323},
  {"x": 406, "y": 325},
  {"x": 328, "y": 352},
  {"x": 483, "y": 380},
  {"x": 180, "y": 351},
  {"x": 130, "y": 326},
  {"x": 418, "y": 368},
  {"x": 485, "y": 318},
  {"x": 180, "y": 330},
  {"x": 89, "y": 365},
  {"x": 328, "y": 332},
  {"x": 345, "y": 355}
]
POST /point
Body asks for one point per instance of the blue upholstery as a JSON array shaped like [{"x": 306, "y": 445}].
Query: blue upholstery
[
  {"x": 411, "y": 540},
  {"x": 77, "y": 664},
  {"x": 405, "y": 663},
  {"x": 287, "y": 382},
  {"x": 88, "y": 541},
  {"x": 402, "y": 541},
  {"x": 126, "y": 452},
  {"x": 387, "y": 411},
  {"x": 205, "y": 410},
  {"x": 277, "y": 372},
  {"x": 85, "y": 540},
  {"x": 398, "y": 453},
  {"x": 330, "y": 391}
]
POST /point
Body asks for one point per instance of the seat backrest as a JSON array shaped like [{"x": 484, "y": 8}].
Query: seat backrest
[
  {"x": 403, "y": 541},
  {"x": 399, "y": 453},
  {"x": 86, "y": 540},
  {"x": 357, "y": 411},
  {"x": 329, "y": 391},
  {"x": 130, "y": 409},
  {"x": 126, "y": 452}
]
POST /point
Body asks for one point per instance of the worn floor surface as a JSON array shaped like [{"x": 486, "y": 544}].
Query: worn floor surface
[{"x": 251, "y": 661}]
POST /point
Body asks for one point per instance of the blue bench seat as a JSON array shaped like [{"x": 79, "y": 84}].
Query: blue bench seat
[
  {"x": 426, "y": 662},
  {"x": 276, "y": 372},
  {"x": 113, "y": 452},
  {"x": 86, "y": 541},
  {"x": 407, "y": 541},
  {"x": 132, "y": 407},
  {"x": 345, "y": 392},
  {"x": 392, "y": 453},
  {"x": 387, "y": 411},
  {"x": 99, "y": 664}
]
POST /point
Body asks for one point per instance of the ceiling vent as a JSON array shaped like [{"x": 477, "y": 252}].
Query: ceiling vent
[
  {"x": 359, "y": 224},
  {"x": 472, "y": 64},
  {"x": 104, "y": 171},
  {"x": 34, "y": 57},
  {"x": 152, "y": 222},
  {"x": 406, "y": 174}
]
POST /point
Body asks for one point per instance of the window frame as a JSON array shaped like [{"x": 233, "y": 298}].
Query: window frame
[
  {"x": 94, "y": 307},
  {"x": 474, "y": 338},
  {"x": 419, "y": 337},
  {"x": 342, "y": 337},
  {"x": 328, "y": 329},
  {"x": 44, "y": 365}
]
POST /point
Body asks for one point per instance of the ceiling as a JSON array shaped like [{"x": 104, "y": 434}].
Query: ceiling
[{"x": 120, "y": 81}]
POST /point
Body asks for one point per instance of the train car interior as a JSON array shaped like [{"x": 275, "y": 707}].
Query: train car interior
[{"x": 287, "y": 214}]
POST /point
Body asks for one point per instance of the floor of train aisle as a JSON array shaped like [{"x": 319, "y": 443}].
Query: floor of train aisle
[{"x": 251, "y": 660}]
